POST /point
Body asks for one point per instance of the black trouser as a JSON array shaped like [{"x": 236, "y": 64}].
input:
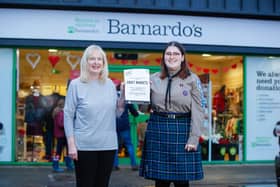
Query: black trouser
[
  {"x": 93, "y": 168},
  {"x": 162, "y": 183}
]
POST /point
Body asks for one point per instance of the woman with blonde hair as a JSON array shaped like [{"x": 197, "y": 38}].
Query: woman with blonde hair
[{"x": 90, "y": 111}]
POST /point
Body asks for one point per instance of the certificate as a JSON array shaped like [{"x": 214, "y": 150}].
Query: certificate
[{"x": 137, "y": 86}]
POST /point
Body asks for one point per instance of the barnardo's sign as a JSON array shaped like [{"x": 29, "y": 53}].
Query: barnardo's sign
[
  {"x": 130, "y": 27},
  {"x": 178, "y": 29}
]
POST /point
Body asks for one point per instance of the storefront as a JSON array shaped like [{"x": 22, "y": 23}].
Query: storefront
[{"x": 238, "y": 66}]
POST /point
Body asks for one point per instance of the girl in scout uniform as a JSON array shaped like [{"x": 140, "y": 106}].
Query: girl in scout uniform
[{"x": 171, "y": 151}]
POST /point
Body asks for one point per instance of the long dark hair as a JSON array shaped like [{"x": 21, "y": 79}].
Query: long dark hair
[{"x": 184, "y": 72}]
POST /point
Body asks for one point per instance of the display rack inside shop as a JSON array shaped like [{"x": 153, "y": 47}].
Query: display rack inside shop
[{"x": 228, "y": 133}]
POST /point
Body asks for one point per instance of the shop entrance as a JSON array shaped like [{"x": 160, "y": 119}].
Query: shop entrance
[{"x": 44, "y": 73}]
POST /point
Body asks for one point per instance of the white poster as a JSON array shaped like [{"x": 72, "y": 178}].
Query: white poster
[
  {"x": 6, "y": 77},
  {"x": 263, "y": 107},
  {"x": 137, "y": 85}
]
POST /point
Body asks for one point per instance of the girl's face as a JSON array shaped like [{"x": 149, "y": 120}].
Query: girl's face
[
  {"x": 173, "y": 58},
  {"x": 95, "y": 62}
]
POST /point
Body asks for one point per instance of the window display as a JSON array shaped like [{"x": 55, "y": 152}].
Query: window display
[
  {"x": 228, "y": 126},
  {"x": 43, "y": 76},
  {"x": 224, "y": 141}
]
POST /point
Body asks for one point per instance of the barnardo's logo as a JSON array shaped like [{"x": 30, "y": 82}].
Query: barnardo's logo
[
  {"x": 178, "y": 29},
  {"x": 262, "y": 142},
  {"x": 84, "y": 25}
]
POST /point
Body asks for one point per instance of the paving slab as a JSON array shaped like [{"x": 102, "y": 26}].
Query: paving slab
[{"x": 244, "y": 175}]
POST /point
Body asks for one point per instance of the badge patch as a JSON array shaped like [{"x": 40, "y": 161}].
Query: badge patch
[{"x": 185, "y": 92}]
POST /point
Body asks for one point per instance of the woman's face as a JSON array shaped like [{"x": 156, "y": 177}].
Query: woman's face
[
  {"x": 173, "y": 58},
  {"x": 95, "y": 62}
]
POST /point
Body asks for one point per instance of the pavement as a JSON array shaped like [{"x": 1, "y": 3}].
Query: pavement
[{"x": 240, "y": 175}]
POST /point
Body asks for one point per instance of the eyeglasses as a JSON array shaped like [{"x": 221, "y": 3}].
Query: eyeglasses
[{"x": 176, "y": 54}]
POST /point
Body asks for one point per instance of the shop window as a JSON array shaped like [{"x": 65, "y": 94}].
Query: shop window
[
  {"x": 224, "y": 141},
  {"x": 42, "y": 79}
]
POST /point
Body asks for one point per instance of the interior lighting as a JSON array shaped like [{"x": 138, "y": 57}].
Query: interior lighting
[
  {"x": 52, "y": 50},
  {"x": 271, "y": 57}
]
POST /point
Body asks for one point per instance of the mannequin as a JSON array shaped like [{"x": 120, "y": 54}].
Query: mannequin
[
  {"x": 34, "y": 116},
  {"x": 34, "y": 113}
]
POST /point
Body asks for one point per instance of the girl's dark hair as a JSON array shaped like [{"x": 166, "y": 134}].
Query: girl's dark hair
[{"x": 185, "y": 72}]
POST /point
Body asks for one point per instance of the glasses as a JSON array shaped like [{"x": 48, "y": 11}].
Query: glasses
[{"x": 176, "y": 54}]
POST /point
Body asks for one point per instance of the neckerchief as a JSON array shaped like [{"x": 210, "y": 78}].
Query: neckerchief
[{"x": 168, "y": 89}]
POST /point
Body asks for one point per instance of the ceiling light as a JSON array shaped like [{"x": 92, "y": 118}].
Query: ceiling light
[
  {"x": 271, "y": 57},
  {"x": 52, "y": 50},
  {"x": 206, "y": 54}
]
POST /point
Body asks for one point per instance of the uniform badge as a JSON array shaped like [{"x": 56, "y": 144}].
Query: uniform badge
[{"x": 185, "y": 92}]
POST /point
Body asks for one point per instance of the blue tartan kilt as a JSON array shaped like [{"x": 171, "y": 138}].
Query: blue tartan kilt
[{"x": 164, "y": 156}]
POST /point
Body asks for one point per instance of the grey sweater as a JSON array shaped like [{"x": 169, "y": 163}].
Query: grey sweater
[{"x": 90, "y": 115}]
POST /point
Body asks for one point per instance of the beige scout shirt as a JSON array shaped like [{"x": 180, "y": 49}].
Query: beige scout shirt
[{"x": 186, "y": 96}]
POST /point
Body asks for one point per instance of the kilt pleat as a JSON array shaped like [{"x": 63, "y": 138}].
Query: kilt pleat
[{"x": 164, "y": 156}]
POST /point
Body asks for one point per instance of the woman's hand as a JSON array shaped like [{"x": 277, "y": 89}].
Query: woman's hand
[
  {"x": 72, "y": 149},
  {"x": 190, "y": 147},
  {"x": 122, "y": 90},
  {"x": 73, "y": 153},
  {"x": 121, "y": 101}
]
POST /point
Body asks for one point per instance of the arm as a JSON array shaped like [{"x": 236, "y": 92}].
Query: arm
[
  {"x": 120, "y": 102},
  {"x": 197, "y": 114},
  {"x": 72, "y": 149},
  {"x": 69, "y": 117}
]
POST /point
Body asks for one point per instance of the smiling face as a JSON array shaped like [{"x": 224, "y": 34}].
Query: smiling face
[
  {"x": 173, "y": 58},
  {"x": 95, "y": 63}
]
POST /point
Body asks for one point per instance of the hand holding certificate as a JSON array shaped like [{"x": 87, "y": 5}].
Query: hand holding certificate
[{"x": 137, "y": 86}]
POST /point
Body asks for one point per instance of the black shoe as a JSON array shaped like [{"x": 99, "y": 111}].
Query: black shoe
[
  {"x": 134, "y": 168},
  {"x": 116, "y": 168}
]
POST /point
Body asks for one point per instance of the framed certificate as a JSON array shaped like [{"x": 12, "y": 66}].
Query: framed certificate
[{"x": 137, "y": 86}]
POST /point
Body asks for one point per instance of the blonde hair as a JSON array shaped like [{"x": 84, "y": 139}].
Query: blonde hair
[{"x": 84, "y": 74}]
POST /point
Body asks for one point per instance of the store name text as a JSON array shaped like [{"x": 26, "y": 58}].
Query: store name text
[{"x": 177, "y": 30}]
